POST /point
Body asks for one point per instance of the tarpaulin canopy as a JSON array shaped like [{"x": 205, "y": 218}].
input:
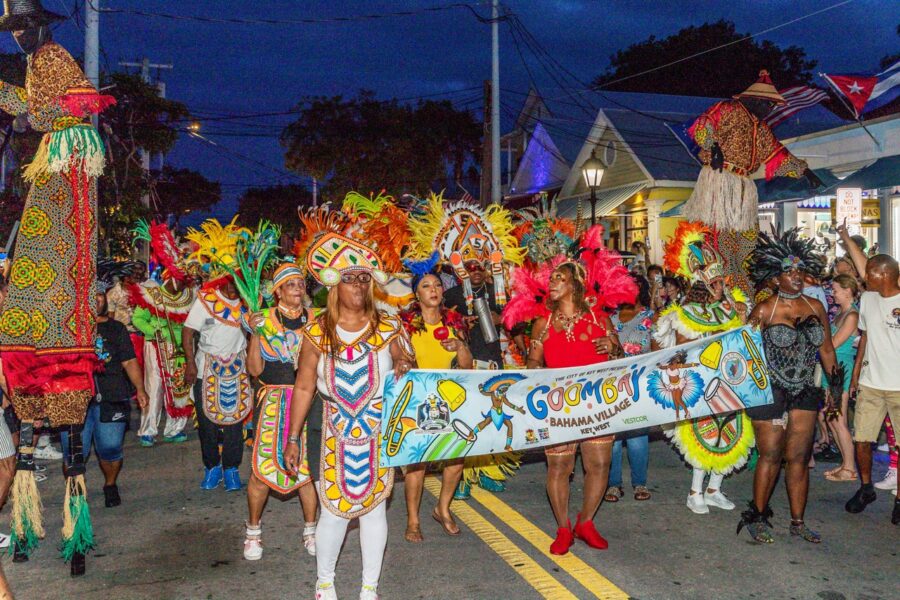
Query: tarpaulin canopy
[{"x": 883, "y": 173}]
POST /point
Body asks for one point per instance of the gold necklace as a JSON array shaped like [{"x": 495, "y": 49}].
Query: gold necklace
[{"x": 567, "y": 324}]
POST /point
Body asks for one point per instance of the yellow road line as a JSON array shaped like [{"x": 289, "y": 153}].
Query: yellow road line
[
  {"x": 597, "y": 584},
  {"x": 535, "y": 575}
]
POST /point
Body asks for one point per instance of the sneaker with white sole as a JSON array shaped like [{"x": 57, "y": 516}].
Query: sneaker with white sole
[
  {"x": 889, "y": 482},
  {"x": 4, "y": 540},
  {"x": 368, "y": 592},
  {"x": 47, "y": 453},
  {"x": 253, "y": 549},
  {"x": 719, "y": 500},
  {"x": 325, "y": 591},
  {"x": 697, "y": 504}
]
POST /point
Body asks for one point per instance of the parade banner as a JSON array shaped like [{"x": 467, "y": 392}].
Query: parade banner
[{"x": 439, "y": 415}]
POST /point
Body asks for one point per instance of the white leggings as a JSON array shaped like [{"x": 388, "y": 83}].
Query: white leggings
[
  {"x": 330, "y": 533},
  {"x": 715, "y": 480}
]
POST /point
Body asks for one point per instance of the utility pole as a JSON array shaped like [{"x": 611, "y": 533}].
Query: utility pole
[
  {"x": 486, "y": 194},
  {"x": 496, "y": 191},
  {"x": 92, "y": 46}
]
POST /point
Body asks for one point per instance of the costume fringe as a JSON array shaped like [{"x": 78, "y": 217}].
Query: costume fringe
[
  {"x": 723, "y": 200},
  {"x": 26, "y": 521},
  {"x": 77, "y": 530},
  {"x": 80, "y": 144},
  {"x": 685, "y": 441},
  {"x": 40, "y": 163},
  {"x": 493, "y": 466}
]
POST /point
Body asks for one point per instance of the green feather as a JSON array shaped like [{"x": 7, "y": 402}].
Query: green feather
[{"x": 82, "y": 538}]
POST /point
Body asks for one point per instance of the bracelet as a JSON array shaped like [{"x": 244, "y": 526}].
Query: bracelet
[{"x": 294, "y": 439}]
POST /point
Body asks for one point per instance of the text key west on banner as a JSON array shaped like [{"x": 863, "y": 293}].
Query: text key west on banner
[{"x": 440, "y": 415}]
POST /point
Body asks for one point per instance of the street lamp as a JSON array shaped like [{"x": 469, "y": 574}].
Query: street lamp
[{"x": 592, "y": 170}]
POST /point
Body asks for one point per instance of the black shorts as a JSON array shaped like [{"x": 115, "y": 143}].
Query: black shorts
[{"x": 809, "y": 398}]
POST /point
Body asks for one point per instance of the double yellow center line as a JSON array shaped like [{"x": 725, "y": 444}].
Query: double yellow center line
[{"x": 532, "y": 572}]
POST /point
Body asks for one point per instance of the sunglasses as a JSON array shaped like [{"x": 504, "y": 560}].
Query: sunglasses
[
  {"x": 351, "y": 278},
  {"x": 474, "y": 266}
]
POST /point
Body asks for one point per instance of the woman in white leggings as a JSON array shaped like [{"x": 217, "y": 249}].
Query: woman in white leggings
[{"x": 348, "y": 352}]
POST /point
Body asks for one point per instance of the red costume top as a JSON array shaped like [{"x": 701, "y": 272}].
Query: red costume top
[{"x": 559, "y": 351}]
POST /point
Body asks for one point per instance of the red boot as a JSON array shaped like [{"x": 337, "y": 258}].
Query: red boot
[
  {"x": 586, "y": 532},
  {"x": 563, "y": 541}
]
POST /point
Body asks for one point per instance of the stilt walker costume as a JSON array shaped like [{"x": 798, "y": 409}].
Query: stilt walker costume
[
  {"x": 462, "y": 234},
  {"x": 48, "y": 318},
  {"x": 734, "y": 142},
  {"x": 159, "y": 314},
  {"x": 351, "y": 372},
  {"x": 719, "y": 444}
]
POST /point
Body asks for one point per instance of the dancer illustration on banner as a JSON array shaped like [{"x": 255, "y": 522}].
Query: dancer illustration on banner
[
  {"x": 683, "y": 388},
  {"x": 496, "y": 388}
]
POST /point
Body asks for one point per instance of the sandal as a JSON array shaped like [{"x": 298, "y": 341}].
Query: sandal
[
  {"x": 413, "y": 534},
  {"x": 837, "y": 475},
  {"x": 800, "y": 528},
  {"x": 614, "y": 493},
  {"x": 448, "y": 525},
  {"x": 641, "y": 493}
]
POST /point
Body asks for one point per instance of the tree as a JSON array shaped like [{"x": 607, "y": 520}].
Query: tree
[
  {"x": 277, "y": 203},
  {"x": 718, "y": 74},
  {"x": 180, "y": 192},
  {"x": 366, "y": 144}
]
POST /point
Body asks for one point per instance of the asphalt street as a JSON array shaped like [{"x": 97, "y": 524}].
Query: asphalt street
[{"x": 169, "y": 539}]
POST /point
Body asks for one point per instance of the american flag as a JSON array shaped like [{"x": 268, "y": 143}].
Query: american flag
[{"x": 797, "y": 98}]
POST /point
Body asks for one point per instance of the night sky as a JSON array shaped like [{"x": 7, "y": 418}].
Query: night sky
[{"x": 226, "y": 69}]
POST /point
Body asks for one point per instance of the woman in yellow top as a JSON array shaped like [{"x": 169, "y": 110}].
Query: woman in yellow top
[{"x": 438, "y": 337}]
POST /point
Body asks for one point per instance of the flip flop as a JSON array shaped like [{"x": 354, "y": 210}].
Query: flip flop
[
  {"x": 837, "y": 475},
  {"x": 446, "y": 524},
  {"x": 413, "y": 535},
  {"x": 613, "y": 494}
]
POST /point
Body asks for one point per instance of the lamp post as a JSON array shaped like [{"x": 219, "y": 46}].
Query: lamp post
[{"x": 592, "y": 170}]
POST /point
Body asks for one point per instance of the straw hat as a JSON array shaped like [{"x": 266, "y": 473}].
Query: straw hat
[
  {"x": 25, "y": 14},
  {"x": 764, "y": 89}
]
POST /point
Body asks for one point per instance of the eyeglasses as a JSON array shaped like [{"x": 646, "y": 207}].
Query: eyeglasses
[
  {"x": 360, "y": 277},
  {"x": 474, "y": 266}
]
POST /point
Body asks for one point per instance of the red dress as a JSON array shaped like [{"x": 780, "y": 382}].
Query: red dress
[{"x": 578, "y": 352}]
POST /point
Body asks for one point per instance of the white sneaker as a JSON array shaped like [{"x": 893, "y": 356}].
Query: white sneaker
[
  {"x": 325, "y": 591},
  {"x": 883, "y": 448},
  {"x": 4, "y": 540},
  {"x": 253, "y": 549},
  {"x": 309, "y": 538},
  {"x": 696, "y": 503},
  {"x": 889, "y": 482},
  {"x": 368, "y": 592},
  {"x": 719, "y": 500},
  {"x": 47, "y": 453}
]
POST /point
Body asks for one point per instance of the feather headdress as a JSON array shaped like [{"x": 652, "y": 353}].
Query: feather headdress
[
  {"x": 382, "y": 224},
  {"x": 691, "y": 253},
  {"x": 215, "y": 246},
  {"x": 164, "y": 251},
  {"x": 314, "y": 223},
  {"x": 606, "y": 280},
  {"x": 776, "y": 255},
  {"x": 462, "y": 232},
  {"x": 542, "y": 233}
]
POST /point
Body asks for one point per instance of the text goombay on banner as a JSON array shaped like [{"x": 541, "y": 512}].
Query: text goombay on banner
[{"x": 439, "y": 415}]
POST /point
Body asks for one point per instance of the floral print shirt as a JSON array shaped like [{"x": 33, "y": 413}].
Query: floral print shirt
[{"x": 635, "y": 335}]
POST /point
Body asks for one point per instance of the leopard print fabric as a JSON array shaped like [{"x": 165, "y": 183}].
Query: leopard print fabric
[{"x": 62, "y": 409}]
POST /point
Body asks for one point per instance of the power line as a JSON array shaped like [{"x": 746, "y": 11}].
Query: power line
[{"x": 305, "y": 21}]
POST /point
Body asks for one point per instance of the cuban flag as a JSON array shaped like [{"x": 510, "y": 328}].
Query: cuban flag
[{"x": 865, "y": 93}]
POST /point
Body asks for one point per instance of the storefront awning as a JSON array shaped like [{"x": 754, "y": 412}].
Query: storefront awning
[
  {"x": 607, "y": 201},
  {"x": 883, "y": 173},
  {"x": 788, "y": 188}
]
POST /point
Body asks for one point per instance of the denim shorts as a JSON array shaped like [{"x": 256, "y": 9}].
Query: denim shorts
[{"x": 107, "y": 438}]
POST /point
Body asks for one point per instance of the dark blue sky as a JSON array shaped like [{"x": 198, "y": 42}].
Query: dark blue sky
[{"x": 223, "y": 69}]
